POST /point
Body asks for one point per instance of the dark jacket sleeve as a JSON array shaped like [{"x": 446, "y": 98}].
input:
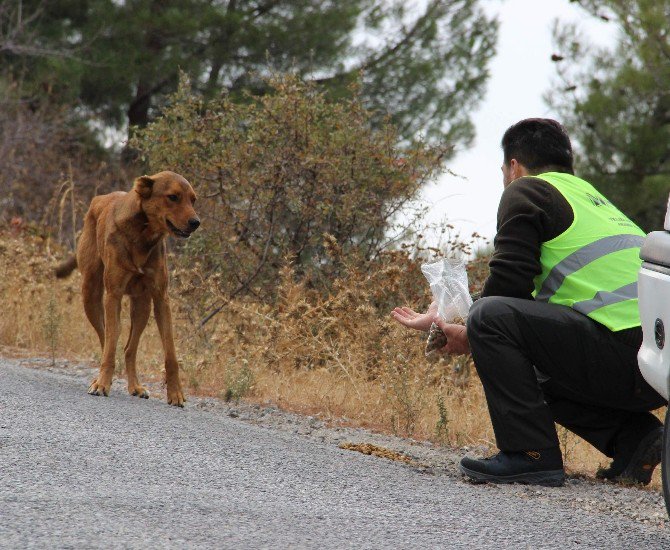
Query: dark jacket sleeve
[{"x": 531, "y": 211}]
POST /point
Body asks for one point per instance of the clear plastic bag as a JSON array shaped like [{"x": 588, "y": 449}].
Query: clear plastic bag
[{"x": 448, "y": 281}]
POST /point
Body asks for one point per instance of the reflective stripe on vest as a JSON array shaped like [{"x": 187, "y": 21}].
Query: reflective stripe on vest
[
  {"x": 604, "y": 298},
  {"x": 583, "y": 257}
]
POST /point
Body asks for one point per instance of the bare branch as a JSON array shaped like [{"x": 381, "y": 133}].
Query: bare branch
[{"x": 17, "y": 35}]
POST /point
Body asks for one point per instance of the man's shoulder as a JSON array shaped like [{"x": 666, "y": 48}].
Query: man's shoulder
[
  {"x": 535, "y": 198},
  {"x": 529, "y": 189},
  {"x": 527, "y": 184}
]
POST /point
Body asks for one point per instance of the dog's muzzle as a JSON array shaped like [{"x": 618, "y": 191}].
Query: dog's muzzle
[{"x": 181, "y": 232}]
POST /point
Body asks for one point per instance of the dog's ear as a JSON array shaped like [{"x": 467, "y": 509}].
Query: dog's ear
[{"x": 144, "y": 186}]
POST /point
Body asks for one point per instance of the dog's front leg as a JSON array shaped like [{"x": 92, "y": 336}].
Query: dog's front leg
[
  {"x": 103, "y": 382},
  {"x": 175, "y": 393}
]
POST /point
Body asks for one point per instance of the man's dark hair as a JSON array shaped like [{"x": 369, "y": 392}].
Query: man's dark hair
[{"x": 539, "y": 144}]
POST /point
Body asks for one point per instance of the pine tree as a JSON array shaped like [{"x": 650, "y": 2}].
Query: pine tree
[
  {"x": 616, "y": 105},
  {"x": 424, "y": 64}
]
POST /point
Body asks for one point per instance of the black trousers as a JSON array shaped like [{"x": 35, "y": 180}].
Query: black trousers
[{"x": 594, "y": 386}]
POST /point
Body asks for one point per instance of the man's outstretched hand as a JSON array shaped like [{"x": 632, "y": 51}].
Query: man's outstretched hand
[
  {"x": 411, "y": 319},
  {"x": 457, "y": 337}
]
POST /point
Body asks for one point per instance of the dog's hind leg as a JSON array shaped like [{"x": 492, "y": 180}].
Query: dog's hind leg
[
  {"x": 140, "y": 308},
  {"x": 114, "y": 287},
  {"x": 92, "y": 291}
]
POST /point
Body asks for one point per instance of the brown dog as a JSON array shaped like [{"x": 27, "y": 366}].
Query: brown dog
[{"x": 122, "y": 251}]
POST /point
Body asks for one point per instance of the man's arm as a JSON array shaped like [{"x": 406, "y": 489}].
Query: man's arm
[{"x": 531, "y": 212}]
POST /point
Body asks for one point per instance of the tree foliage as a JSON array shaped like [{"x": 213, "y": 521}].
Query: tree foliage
[
  {"x": 616, "y": 104},
  {"x": 286, "y": 178},
  {"x": 423, "y": 62}
]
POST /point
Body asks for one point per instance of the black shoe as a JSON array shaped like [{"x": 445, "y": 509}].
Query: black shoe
[
  {"x": 636, "y": 463},
  {"x": 544, "y": 467}
]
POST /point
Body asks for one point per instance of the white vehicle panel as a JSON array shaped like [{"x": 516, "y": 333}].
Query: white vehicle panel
[{"x": 654, "y": 303}]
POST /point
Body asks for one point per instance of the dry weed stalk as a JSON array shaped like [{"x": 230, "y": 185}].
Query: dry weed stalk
[{"x": 51, "y": 325}]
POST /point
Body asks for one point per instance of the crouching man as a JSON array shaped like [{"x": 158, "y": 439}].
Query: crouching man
[{"x": 556, "y": 333}]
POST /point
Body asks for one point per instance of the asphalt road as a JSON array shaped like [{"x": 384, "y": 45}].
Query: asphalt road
[{"x": 78, "y": 471}]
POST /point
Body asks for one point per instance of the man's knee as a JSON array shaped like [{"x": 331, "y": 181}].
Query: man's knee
[
  {"x": 493, "y": 329},
  {"x": 486, "y": 311}
]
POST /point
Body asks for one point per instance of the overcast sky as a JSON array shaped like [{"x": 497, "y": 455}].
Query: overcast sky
[{"x": 521, "y": 73}]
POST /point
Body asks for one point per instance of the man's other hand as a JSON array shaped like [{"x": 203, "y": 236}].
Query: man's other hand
[
  {"x": 411, "y": 319},
  {"x": 457, "y": 337}
]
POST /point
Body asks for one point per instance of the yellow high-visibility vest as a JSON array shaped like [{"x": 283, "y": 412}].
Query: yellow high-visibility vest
[{"x": 592, "y": 266}]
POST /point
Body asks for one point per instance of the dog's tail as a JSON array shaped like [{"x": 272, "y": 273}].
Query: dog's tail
[{"x": 65, "y": 268}]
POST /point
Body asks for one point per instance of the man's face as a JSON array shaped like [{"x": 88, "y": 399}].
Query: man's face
[
  {"x": 507, "y": 174},
  {"x": 512, "y": 171}
]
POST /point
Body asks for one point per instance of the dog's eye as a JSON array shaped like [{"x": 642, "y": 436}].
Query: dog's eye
[{"x": 173, "y": 198}]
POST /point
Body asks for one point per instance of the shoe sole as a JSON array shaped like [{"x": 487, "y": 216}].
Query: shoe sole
[
  {"x": 647, "y": 456},
  {"x": 549, "y": 478}
]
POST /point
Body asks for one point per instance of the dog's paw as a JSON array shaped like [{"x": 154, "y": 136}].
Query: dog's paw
[
  {"x": 97, "y": 388},
  {"x": 175, "y": 396},
  {"x": 139, "y": 391}
]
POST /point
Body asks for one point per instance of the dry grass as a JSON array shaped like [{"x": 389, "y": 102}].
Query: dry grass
[{"x": 335, "y": 357}]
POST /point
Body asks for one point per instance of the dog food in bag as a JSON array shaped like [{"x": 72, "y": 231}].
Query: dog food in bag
[{"x": 449, "y": 284}]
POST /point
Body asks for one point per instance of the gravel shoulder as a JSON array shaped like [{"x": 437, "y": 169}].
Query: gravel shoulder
[{"x": 638, "y": 510}]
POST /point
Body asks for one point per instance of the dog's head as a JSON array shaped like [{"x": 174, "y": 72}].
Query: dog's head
[{"x": 167, "y": 200}]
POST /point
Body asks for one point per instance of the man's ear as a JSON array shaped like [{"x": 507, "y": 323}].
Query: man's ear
[
  {"x": 143, "y": 186},
  {"x": 517, "y": 170}
]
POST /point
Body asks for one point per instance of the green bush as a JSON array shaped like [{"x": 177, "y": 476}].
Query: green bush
[{"x": 276, "y": 173}]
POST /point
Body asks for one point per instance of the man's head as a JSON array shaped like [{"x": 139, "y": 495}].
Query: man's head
[{"x": 533, "y": 146}]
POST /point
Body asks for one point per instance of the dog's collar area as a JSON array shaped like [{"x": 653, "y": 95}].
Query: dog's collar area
[{"x": 176, "y": 230}]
